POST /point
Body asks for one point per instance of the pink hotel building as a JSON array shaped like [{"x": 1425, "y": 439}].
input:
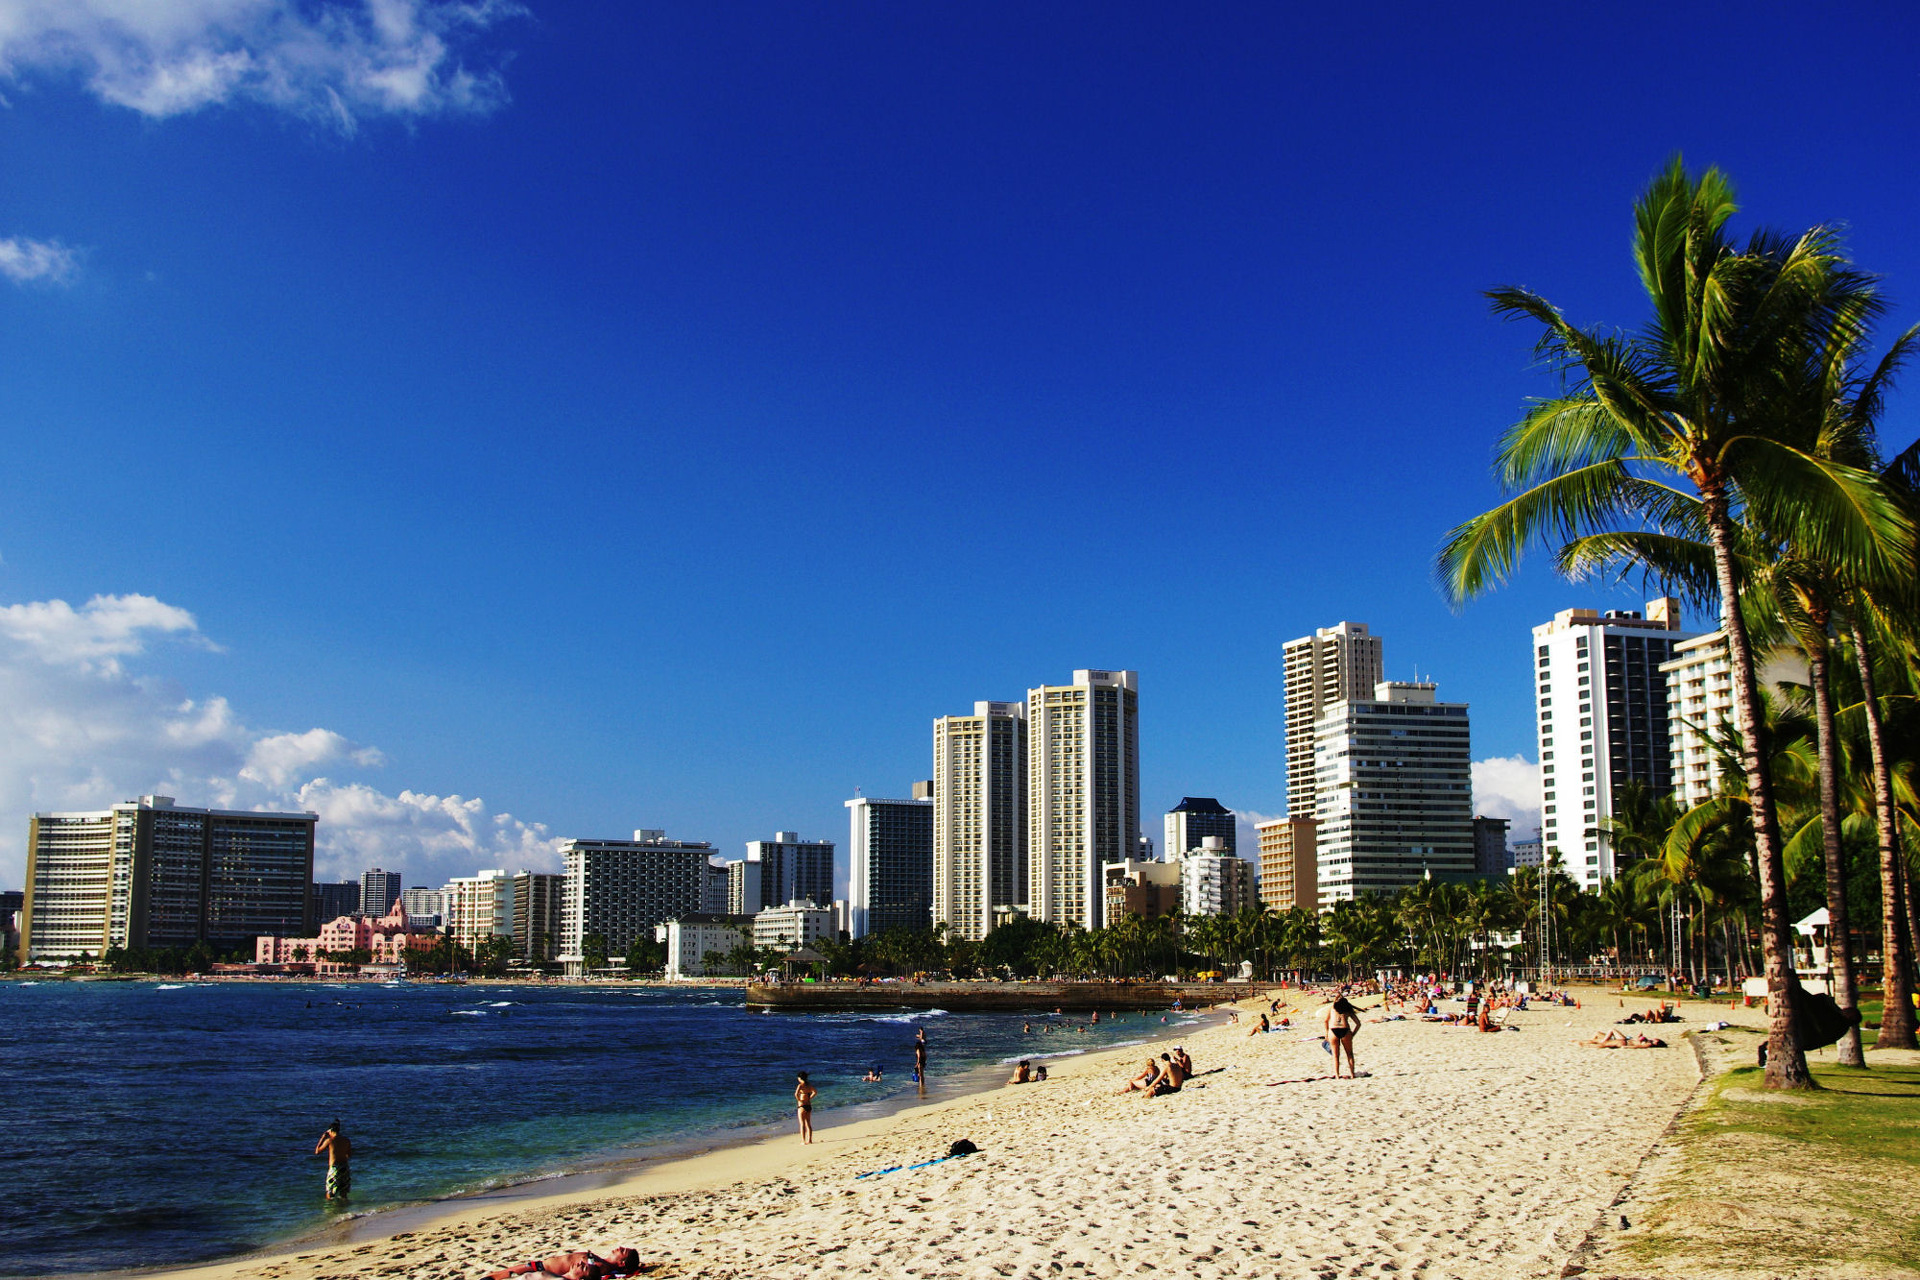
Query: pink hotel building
[{"x": 388, "y": 940}]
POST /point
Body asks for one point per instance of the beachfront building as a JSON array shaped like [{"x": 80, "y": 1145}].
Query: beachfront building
[
  {"x": 335, "y": 899},
  {"x": 386, "y": 940},
  {"x": 1526, "y": 853},
  {"x": 799, "y": 923},
  {"x": 479, "y": 908},
  {"x": 150, "y": 873},
  {"x": 1699, "y": 680},
  {"x": 620, "y": 889},
  {"x": 1393, "y": 781},
  {"x": 714, "y": 901},
  {"x": 1600, "y": 693},
  {"x": 1289, "y": 876},
  {"x": 979, "y": 817},
  {"x": 11, "y": 900},
  {"x": 743, "y": 887},
  {"x": 535, "y": 914},
  {"x": 1196, "y": 818},
  {"x": 379, "y": 890},
  {"x": 890, "y": 862},
  {"x": 1334, "y": 664},
  {"x": 428, "y": 905},
  {"x": 1214, "y": 881},
  {"x": 1140, "y": 887},
  {"x": 698, "y": 943},
  {"x": 1490, "y": 856},
  {"x": 1083, "y": 791},
  {"x": 790, "y": 868}
]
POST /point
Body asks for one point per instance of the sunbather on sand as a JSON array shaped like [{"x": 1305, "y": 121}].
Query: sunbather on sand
[
  {"x": 1170, "y": 1079},
  {"x": 578, "y": 1265},
  {"x": 1143, "y": 1083},
  {"x": 1608, "y": 1039}
]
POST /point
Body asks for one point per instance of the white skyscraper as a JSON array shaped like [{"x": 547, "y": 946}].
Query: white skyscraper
[
  {"x": 890, "y": 862},
  {"x": 1699, "y": 680},
  {"x": 1603, "y": 720},
  {"x": 979, "y": 816},
  {"x": 1083, "y": 791},
  {"x": 1393, "y": 777},
  {"x": 1331, "y": 665}
]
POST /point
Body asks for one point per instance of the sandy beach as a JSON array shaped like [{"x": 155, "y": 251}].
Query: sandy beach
[{"x": 1457, "y": 1154}]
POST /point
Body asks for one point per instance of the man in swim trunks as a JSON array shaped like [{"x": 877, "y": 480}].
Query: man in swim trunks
[
  {"x": 339, "y": 1151},
  {"x": 1170, "y": 1079},
  {"x": 578, "y": 1265}
]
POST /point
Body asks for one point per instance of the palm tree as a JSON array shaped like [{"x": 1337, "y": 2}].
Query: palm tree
[
  {"x": 1682, "y": 428},
  {"x": 1883, "y": 608}
]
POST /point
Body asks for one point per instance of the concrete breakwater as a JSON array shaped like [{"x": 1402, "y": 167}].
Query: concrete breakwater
[{"x": 1009, "y": 997}]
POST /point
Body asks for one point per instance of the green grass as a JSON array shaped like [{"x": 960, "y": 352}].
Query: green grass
[
  {"x": 1856, "y": 1114},
  {"x": 1795, "y": 1183}
]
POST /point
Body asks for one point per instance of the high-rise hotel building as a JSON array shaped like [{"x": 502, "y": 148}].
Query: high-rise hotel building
[
  {"x": 890, "y": 862},
  {"x": 1083, "y": 791},
  {"x": 1393, "y": 791},
  {"x": 150, "y": 873},
  {"x": 979, "y": 817},
  {"x": 1601, "y": 695},
  {"x": 621, "y": 889},
  {"x": 1334, "y": 664},
  {"x": 1194, "y": 819}
]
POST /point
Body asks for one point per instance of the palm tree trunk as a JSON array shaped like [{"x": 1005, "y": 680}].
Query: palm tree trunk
[
  {"x": 1786, "y": 1060},
  {"x": 1839, "y": 932},
  {"x": 1896, "y": 1017}
]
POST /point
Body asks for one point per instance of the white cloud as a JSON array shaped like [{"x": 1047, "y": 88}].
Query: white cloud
[
  {"x": 78, "y": 730},
  {"x": 1508, "y": 787},
  {"x": 97, "y": 634},
  {"x": 25, "y": 261},
  {"x": 329, "y": 60}
]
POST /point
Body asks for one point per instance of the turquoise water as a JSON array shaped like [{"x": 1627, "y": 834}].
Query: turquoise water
[{"x": 165, "y": 1123}]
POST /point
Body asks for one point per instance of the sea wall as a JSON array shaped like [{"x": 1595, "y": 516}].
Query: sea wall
[{"x": 1012, "y": 997}]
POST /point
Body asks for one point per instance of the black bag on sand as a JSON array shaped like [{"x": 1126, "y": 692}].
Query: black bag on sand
[{"x": 961, "y": 1148}]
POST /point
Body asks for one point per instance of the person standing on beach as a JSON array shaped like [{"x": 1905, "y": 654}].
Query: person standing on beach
[
  {"x": 1342, "y": 1023},
  {"x": 339, "y": 1149},
  {"x": 803, "y": 1096},
  {"x": 920, "y": 1055}
]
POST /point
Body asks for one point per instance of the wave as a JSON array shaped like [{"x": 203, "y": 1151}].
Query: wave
[
  {"x": 904, "y": 1017},
  {"x": 469, "y": 1013},
  {"x": 1029, "y": 1057},
  {"x": 173, "y": 986}
]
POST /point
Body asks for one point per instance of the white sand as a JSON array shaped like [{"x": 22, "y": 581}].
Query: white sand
[{"x": 1461, "y": 1154}]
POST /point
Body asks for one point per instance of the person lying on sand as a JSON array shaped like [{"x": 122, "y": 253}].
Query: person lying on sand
[
  {"x": 1144, "y": 1081},
  {"x": 1608, "y": 1039},
  {"x": 581, "y": 1264}
]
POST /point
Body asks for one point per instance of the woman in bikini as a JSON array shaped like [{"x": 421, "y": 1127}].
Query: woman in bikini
[
  {"x": 1342, "y": 1022},
  {"x": 803, "y": 1096}
]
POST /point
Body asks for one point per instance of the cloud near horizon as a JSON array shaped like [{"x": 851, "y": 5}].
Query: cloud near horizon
[
  {"x": 1508, "y": 787},
  {"x": 79, "y": 730},
  {"x": 333, "y": 62}
]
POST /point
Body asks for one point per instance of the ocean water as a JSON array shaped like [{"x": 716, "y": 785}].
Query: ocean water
[{"x": 166, "y": 1123}]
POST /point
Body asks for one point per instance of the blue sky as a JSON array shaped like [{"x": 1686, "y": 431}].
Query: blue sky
[{"x": 554, "y": 420}]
